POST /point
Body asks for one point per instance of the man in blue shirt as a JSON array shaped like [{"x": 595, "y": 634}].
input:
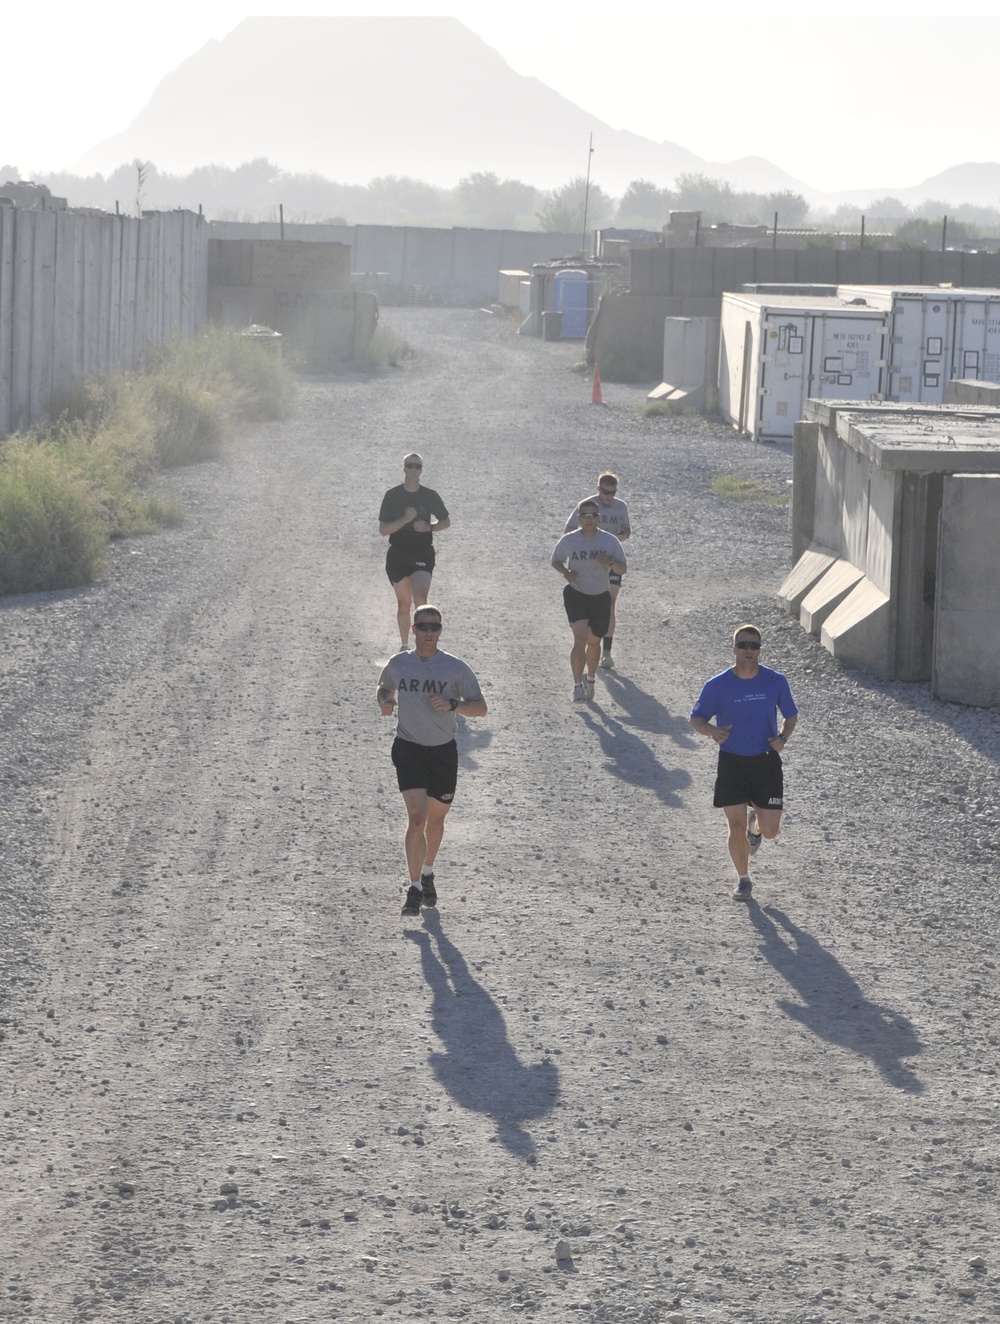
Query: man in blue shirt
[{"x": 745, "y": 701}]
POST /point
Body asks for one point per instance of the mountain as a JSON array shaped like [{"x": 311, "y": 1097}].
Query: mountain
[
  {"x": 352, "y": 99},
  {"x": 973, "y": 182},
  {"x": 356, "y": 98}
]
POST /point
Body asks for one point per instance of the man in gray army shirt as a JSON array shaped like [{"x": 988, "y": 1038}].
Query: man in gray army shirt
[
  {"x": 585, "y": 559},
  {"x": 426, "y": 688}
]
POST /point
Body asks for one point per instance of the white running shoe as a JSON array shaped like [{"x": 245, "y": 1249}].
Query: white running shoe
[
  {"x": 589, "y": 683},
  {"x": 579, "y": 692},
  {"x": 607, "y": 661}
]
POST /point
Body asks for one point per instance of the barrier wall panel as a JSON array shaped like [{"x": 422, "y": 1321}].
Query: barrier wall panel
[{"x": 81, "y": 294}]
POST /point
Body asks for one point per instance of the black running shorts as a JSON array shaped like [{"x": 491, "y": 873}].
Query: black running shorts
[
  {"x": 400, "y": 562},
  {"x": 755, "y": 779},
  {"x": 594, "y": 608},
  {"x": 430, "y": 768}
]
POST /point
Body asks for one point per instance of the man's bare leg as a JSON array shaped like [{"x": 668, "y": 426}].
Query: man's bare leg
[
  {"x": 739, "y": 847},
  {"x": 404, "y": 608},
  {"x": 437, "y": 812}
]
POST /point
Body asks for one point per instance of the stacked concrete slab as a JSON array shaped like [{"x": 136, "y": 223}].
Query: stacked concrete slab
[
  {"x": 301, "y": 289},
  {"x": 896, "y": 536}
]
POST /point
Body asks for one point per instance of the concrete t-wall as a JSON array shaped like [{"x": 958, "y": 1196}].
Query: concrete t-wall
[
  {"x": 451, "y": 266},
  {"x": 699, "y": 277},
  {"x": 967, "y": 625},
  {"x": 82, "y": 294}
]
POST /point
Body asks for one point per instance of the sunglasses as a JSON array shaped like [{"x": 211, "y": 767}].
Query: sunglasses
[
  {"x": 748, "y": 643},
  {"x": 408, "y": 465},
  {"x": 431, "y": 627},
  {"x": 608, "y": 491},
  {"x": 589, "y": 514}
]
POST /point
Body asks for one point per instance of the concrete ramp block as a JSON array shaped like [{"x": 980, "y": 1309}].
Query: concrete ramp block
[
  {"x": 857, "y": 632},
  {"x": 676, "y": 398},
  {"x": 804, "y": 574},
  {"x": 664, "y": 392},
  {"x": 827, "y": 594}
]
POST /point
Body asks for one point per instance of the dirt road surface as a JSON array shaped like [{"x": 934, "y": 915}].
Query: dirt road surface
[{"x": 237, "y": 1086}]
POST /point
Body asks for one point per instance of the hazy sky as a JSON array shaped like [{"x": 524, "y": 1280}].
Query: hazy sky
[{"x": 855, "y": 101}]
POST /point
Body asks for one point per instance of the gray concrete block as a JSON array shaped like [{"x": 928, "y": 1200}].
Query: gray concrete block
[
  {"x": 857, "y": 633},
  {"x": 827, "y": 594},
  {"x": 807, "y": 571}
]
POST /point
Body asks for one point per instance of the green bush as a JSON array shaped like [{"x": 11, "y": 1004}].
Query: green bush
[
  {"x": 53, "y": 529},
  {"x": 190, "y": 423},
  {"x": 67, "y": 489},
  {"x": 243, "y": 371}
]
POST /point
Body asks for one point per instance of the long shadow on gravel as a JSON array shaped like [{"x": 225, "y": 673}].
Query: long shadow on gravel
[
  {"x": 631, "y": 760},
  {"x": 834, "y": 1007},
  {"x": 646, "y": 712},
  {"x": 479, "y": 1067}
]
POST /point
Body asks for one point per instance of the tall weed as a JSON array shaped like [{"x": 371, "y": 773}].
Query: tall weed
[
  {"x": 52, "y": 524},
  {"x": 67, "y": 489}
]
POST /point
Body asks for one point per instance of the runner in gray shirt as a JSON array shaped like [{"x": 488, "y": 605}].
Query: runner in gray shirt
[
  {"x": 427, "y": 689},
  {"x": 585, "y": 559},
  {"x": 613, "y": 513}
]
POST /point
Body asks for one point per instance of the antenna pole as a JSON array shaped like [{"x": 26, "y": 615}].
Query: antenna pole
[{"x": 586, "y": 195}]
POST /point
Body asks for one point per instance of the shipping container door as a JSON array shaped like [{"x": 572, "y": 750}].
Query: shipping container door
[
  {"x": 968, "y": 350},
  {"x": 920, "y": 348},
  {"x": 844, "y": 358},
  {"x": 781, "y": 386},
  {"x": 976, "y": 352}
]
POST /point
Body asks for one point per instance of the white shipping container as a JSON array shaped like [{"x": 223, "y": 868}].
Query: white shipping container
[
  {"x": 777, "y": 351},
  {"x": 934, "y": 335}
]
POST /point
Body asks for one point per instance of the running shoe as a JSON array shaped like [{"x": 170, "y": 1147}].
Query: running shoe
[
  {"x": 430, "y": 896},
  {"x": 411, "y": 906},
  {"x": 754, "y": 838},
  {"x": 579, "y": 692},
  {"x": 607, "y": 661},
  {"x": 743, "y": 889},
  {"x": 589, "y": 684}
]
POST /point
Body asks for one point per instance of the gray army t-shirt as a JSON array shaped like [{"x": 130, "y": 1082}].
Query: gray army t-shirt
[
  {"x": 416, "y": 680},
  {"x": 579, "y": 552},
  {"x": 613, "y": 518}
]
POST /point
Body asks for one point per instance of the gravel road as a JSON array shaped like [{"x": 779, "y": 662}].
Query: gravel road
[{"x": 238, "y": 1087}]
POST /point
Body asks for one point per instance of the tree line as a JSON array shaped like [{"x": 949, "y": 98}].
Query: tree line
[{"x": 256, "y": 190}]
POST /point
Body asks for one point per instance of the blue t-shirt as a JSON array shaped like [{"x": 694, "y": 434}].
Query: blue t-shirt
[{"x": 749, "y": 705}]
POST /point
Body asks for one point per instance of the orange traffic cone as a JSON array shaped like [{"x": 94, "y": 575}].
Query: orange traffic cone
[{"x": 595, "y": 396}]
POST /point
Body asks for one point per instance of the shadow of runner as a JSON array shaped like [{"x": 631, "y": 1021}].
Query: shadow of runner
[
  {"x": 646, "y": 712},
  {"x": 835, "y": 1008},
  {"x": 471, "y": 739},
  {"x": 630, "y": 759},
  {"x": 479, "y": 1067}
]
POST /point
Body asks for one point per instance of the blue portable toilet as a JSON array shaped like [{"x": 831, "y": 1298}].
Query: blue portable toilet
[{"x": 572, "y": 288}]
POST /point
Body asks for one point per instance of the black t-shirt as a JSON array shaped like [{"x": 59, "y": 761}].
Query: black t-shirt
[{"x": 395, "y": 504}]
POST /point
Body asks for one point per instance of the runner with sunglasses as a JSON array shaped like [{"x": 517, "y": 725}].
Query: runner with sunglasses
[
  {"x": 585, "y": 558},
  {"x": 427, "y": 688},
  {"x": 612, "y": 518},
  {"x": 409, "y": 518},
  {"x": 749, "y": 786}
]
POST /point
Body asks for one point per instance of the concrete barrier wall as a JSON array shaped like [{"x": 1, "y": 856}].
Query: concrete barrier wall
[
  {"x": 694, "y": 279},
  {"x": 711, "y": 272},
  {"x": 967, "y": 632},
  {"x": 455, "y": 266},
  {"x": 83, "y": 294},
  {"x": 959, "y": 392}
]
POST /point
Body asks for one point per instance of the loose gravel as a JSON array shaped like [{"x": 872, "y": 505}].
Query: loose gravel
[{"x": 238, "y": 1086}]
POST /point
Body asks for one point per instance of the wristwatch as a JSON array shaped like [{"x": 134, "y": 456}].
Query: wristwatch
[{"x": 454, "y": 703}]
